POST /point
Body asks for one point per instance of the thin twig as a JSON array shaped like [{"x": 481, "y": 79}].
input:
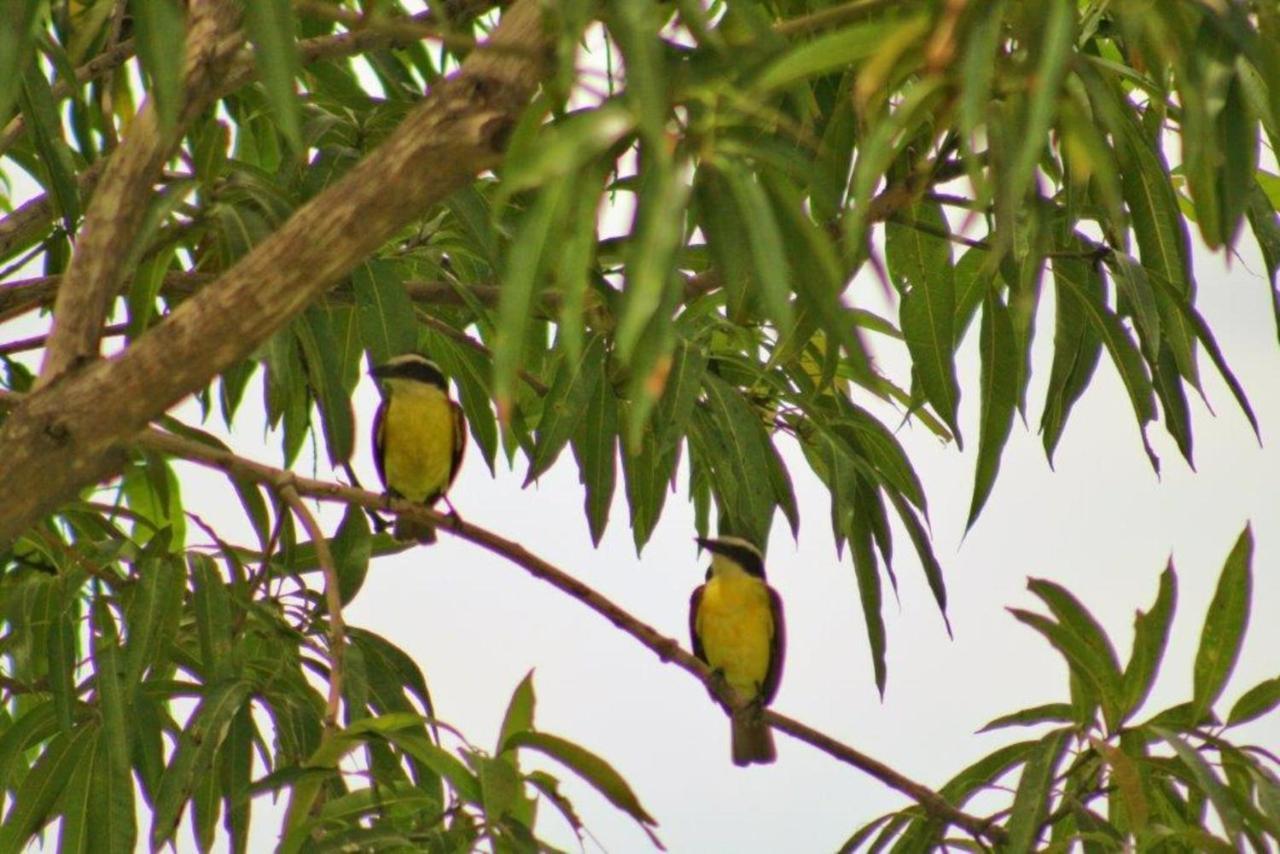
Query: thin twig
[
  {"x": 333, "y": 600},
  {"x": 36, "y": 341},
  {"x": 667, "y": 649}
]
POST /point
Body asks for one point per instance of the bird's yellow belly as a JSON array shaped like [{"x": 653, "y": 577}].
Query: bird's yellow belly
[
  {"x": 735, "y": 626},
  {"x": 419, "y": 445}
]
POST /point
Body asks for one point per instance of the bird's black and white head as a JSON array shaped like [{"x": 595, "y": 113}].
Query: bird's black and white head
[
  {"x": 733, "y": 553},
  {"x": 411, "y": 372}
]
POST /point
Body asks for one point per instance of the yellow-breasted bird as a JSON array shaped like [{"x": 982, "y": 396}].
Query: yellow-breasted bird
[
  {"x": 419, "y": 434},
  {"x": 735, "y": 619}
]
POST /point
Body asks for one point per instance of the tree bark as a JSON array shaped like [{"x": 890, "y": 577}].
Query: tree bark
[{"x": 72, "y": 433}]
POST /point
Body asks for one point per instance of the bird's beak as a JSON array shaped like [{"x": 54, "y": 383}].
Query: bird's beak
[
  {"x": 703, "y": 543},
  {"x": 378, "y": 371}
]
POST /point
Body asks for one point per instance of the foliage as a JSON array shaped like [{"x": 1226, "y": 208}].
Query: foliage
[
  {"x": 969, "y": 155},
  {"x": 1097, "y": 778}
]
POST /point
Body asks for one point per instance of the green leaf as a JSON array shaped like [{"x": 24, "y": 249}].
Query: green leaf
[
  {"x": 986, "y": 771},
  {"x": 595, "y": 442},
  {"x": 1076, "y": 346},
  {"x": 1034, "y": 795},
  {"x": 384, "y": 311},
  {"x": 526, "y": 258},
  {"x": 867, "y": 571},
  {"x": 1150, "y": 634},
  {"x": 270, "y": 27},
  {"x": 1256, "y": 702},
  {"x": 924, "y": 550},
  {"x": 1224, "y": 625},
  {"x": 646, "y": 482},
  {"x": 402, "y": 672},
  {"x": 194, "y": 758},
  {"x": 352, "y": 546},
  {"x": 161, "y": 37},
  {"x": 322, "y": 348},
  {"x": 656, "y": 236},
  {"x": 1052, "y": 57},
  {"x": 471, "y": 370},
  {"x": 999, "y": 397},
  {"x": 1266, "y": 230},
  {"x": 920, "y": 265},
  {"x": 519, "y": 716},
  {"x": 151, "y": 616},
  {"x": 1048, "y": 713},
  {"x": 42, "y": 785},
  {"x": 765, "y": 243},
  {"x": 1208, "y": 782},
  {"x": 590, "y": 768},
  {"x": 213, "y": 610},
  {"x": 569, "y": 396},
  {"x": 55, "y": 155},
  {"x": 16, "y": 40},
  {"x": 61, "y": 643},
  {"x": 1131, "y": 282},
  {"x": 1085, "y": 661},
  {"x": 742, "y": 440},
  {"x": 111, "y": 811},
  {"x": 76, "y": 804},
  {"x": 560, "y": 150},
  {"x": 829, "y": 52}
]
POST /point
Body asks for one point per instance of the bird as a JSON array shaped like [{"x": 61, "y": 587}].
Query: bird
[
  {"x": 735, "y": 620},
  {"x": 419, "y": 434}
]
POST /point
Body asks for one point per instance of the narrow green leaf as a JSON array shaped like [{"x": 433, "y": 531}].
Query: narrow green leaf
[
  {"x": 526, "y": 259},
  {"x": 1074, "y": 617},
  {"x": 352, "y": 546},
  {"x": 194, "y": 758},
  {"x": 381, "y": 653},
  {"x": 472, "y": 371},
  {"x": 656, "y": 236},
  {"x": 595, "y": 444},
  {"x": 829, "y": 52},
  {"x": 1052, "y": 57},
  {"x": 1150, "y": 634},
  {"x": 924, "y": 550},
  {"x": 765, "y": 243},
  {"x": 1048, "y": 713},
  {"x": 999, "y": 397},
  {"x": 61, "y": 643},
  {"x": 42, "y": 785},
  {"x": 160, "y": 40},
  {"x": 1265, "y": 224},
  {"x": 519, "y": 715},
  {"x": 920, "y": 265},
  {"x": 269, "y": 24},
  {"x": 1086, "y": 663},
  {"x": 1224, "y": 625},
  {"x": 1256, "y": 702},
  {"x": 742, "y": 438},
  {"x": 1034, "y": 795},
  {"x": 591, "y": 768},
  {"x": 76, "y": 802},
  {"x": 111, "y": 813},
  {"x": 151, "y": 617},
  {"x": 1207, "y": 781},
  {"x": 55, "y": 155},
  {"x": 445, "y": 764},
  {"x": 322, "y": 349},
  {"x": 1131, "y": 281},
  {"x": 560, "y": 151},
  {"x": 986, "y": 771},
  {"x": 499, "y": 787},
  {"x": 1076, "y": 346},
  {"x": 384, "y": 311},
  {"x": 646, "y": 483},
  {"x": 16, "y": 43},
  {"x": 237, "y": 768},
  {"x": 867, "y": 571},
  {"x": 569, "y": 396}
]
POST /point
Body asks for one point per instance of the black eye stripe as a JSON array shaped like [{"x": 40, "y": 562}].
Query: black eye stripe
[{"x": 747, "y": 558}]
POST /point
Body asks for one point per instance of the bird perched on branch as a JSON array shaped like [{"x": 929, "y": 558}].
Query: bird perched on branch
[
  {"x": 735, "y": 619},
  {"x": 419, "y": 434}
]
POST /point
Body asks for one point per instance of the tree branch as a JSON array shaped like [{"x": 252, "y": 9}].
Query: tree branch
[
  {"x": 111, "y": 221},
  {"x": 667, "y": 649},
  {"x": 333, "y": 601},
  {"x": 456, "y": 132}
]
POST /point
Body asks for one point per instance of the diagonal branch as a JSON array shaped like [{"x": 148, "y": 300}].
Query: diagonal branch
[
  {"x": 454, "y": 134},
  {"x": 667, "y": 649},
  {"x": 123, "y": 195}
]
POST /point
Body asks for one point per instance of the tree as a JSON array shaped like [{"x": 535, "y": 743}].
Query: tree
[{"x": 281, "y": 194}]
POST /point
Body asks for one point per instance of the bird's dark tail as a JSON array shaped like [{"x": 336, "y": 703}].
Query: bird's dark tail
[
  {"x": 752, "y": 740},
  {"x": 407, "y": 530}
]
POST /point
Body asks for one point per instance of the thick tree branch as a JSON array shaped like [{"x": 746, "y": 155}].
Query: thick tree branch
[
  {"x": 111, "y": 221},
  {"x": 455, "y": 133},
  {"x": 667, "y": 649}
]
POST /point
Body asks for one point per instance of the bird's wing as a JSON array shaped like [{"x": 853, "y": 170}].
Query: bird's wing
[
  {"x": 459, "y": 440},
  {"x": 777, "y": 649},
  {"x": 694, "y": 601},
  {"x": 379, "y": 449}
]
